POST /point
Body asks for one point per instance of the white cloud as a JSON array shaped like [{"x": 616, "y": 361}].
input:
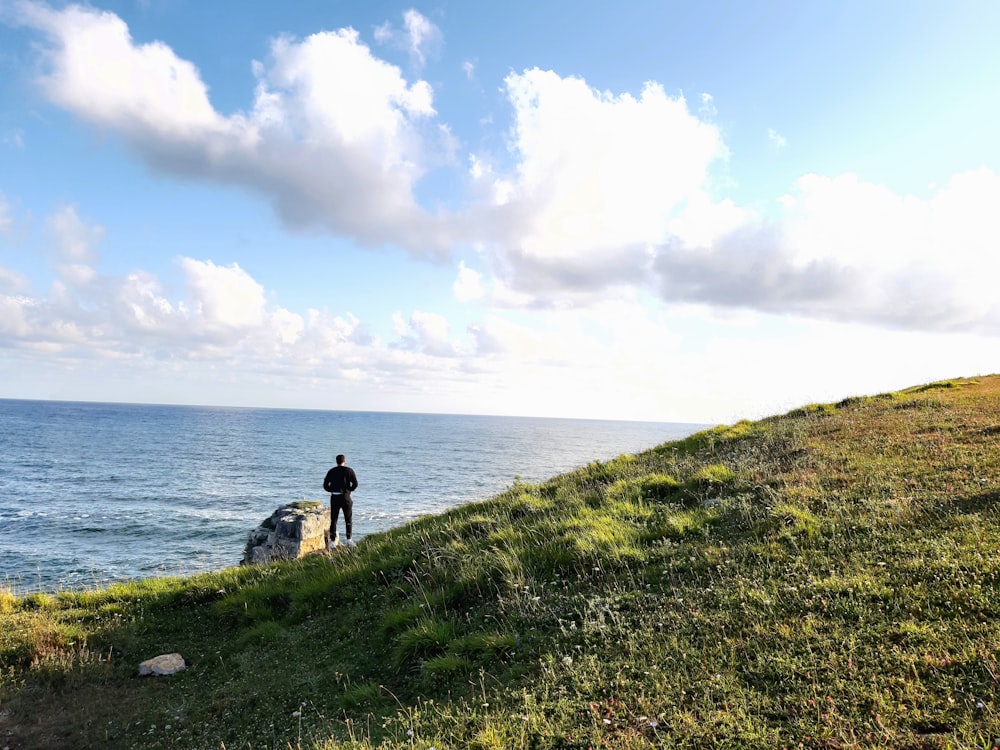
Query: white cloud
[
  {"x": 469, "y": 68},
  {"x": 14, "y": 138},
  {"x": 602, "y": 194},
  {"x": 598, "y": 176},
  {"x": 139, "y": 306},
  {"x": 78, "y": 275},
  {"x": 76, "y": 241},
  {"x": 334, "y": 137},
  {"x": 14, "y": 311},
  {"x": 418, "y": 37},
  {"x": 421, "y": 33},
  {"x": 777, "y": 139},
  {"x": 468, "y": 284},
  {"x": 97, "y": 71},
  {"x": 225, "y": 297},
  {"x": 704, "y": 221},
  {"x": 707, "y": 108},
  {"x": 847, "y": 250},
  {"x": 497, "y": 336},
  {"x": 608, "y": 191},
  {"x": 425, "y": 332}
]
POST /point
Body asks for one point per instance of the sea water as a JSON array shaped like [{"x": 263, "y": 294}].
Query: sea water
[{"x": 95, "y": 493}]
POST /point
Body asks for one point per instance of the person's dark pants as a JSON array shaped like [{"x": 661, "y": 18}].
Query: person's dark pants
[{"x": 341, "y": 503}]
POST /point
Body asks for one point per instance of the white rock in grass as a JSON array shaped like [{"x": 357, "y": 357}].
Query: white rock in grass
[{"x": 162, "y": 665}]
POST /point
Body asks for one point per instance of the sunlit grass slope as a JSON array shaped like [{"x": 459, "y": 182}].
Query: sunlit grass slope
[{"x": 829, "y": 578}]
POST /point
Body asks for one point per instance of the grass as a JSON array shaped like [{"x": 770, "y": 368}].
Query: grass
[{"x": 829, "y": 578}]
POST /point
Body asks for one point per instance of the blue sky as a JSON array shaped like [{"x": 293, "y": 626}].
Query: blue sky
[{"x": 677, "y": 211}]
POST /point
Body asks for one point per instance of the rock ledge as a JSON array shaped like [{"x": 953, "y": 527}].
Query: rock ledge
[{"x": 292, "y": 531}]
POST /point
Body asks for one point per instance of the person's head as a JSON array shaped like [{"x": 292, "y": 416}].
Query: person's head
[{"x": 340, "y": 460}]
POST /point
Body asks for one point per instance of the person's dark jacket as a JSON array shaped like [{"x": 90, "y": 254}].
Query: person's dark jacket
[{"x": 341, "y": 479}]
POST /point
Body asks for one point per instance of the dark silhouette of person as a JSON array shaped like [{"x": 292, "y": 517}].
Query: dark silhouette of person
[{"x": 340, "y": 482}]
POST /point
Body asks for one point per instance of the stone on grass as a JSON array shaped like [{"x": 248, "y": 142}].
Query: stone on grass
[{"x": 162, "y": 665}]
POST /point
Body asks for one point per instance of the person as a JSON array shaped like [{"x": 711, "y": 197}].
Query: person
[{"x": 340, "y": 482}]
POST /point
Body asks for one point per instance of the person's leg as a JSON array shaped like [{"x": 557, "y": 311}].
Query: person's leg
[
  {"x": 334, "y": 514},
  {"x": 348, "y": 512}
]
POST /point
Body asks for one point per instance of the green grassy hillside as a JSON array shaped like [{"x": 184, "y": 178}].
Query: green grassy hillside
[{"x": 829, "y": 578}]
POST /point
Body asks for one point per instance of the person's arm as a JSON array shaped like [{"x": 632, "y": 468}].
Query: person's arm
[
  {"x": 354, "y": 480},
  {"x": 326, "y": 481}
]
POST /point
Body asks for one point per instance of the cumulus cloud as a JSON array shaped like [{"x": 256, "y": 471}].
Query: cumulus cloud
[
  {"x": 97, "y": 71},
  {"x": 418, "y": 37},
  {"x": 335, "y": 137},
  {"x": 597, "y": 177},
  {"x": 221, "y": 317},
  {"x": 746, "y": 268},
  {"x": 845, "y": 250},
  {"x": 609, "y": 191},
  {"x": 601, "y": 194},
  {"x": 425, "y": 332},
  {"x": 223, "y": 297},
  {"x": 613, "y": 192}
]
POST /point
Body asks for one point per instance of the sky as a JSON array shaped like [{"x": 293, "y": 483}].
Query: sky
[{"x": 678, "y": 211}]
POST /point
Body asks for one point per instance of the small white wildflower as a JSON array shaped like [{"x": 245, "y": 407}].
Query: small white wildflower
[
  {"x": 567, "y": 660},
  {"x": 607, "y": 721},
  {"x": 409, "y": 732},
  {"x": 980, "y": 704},
  {"x": 296, "y": 714},
  {"x": 653, "y": 724}
]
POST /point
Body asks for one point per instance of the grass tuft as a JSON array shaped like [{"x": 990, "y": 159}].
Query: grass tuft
[{"x": 426, "y": 639}]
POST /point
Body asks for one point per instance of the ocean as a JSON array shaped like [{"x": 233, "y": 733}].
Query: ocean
[{"x": 92, "y": 494}]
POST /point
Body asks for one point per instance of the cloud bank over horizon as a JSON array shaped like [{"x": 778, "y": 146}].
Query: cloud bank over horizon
[{"x": 613, "y": 205}]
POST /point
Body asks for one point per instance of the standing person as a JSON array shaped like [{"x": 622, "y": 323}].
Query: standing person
[{"x": 340, "y": 482}]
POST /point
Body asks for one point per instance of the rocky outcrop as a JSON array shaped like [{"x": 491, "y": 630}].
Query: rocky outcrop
[{"x": 293, "y": 530}]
